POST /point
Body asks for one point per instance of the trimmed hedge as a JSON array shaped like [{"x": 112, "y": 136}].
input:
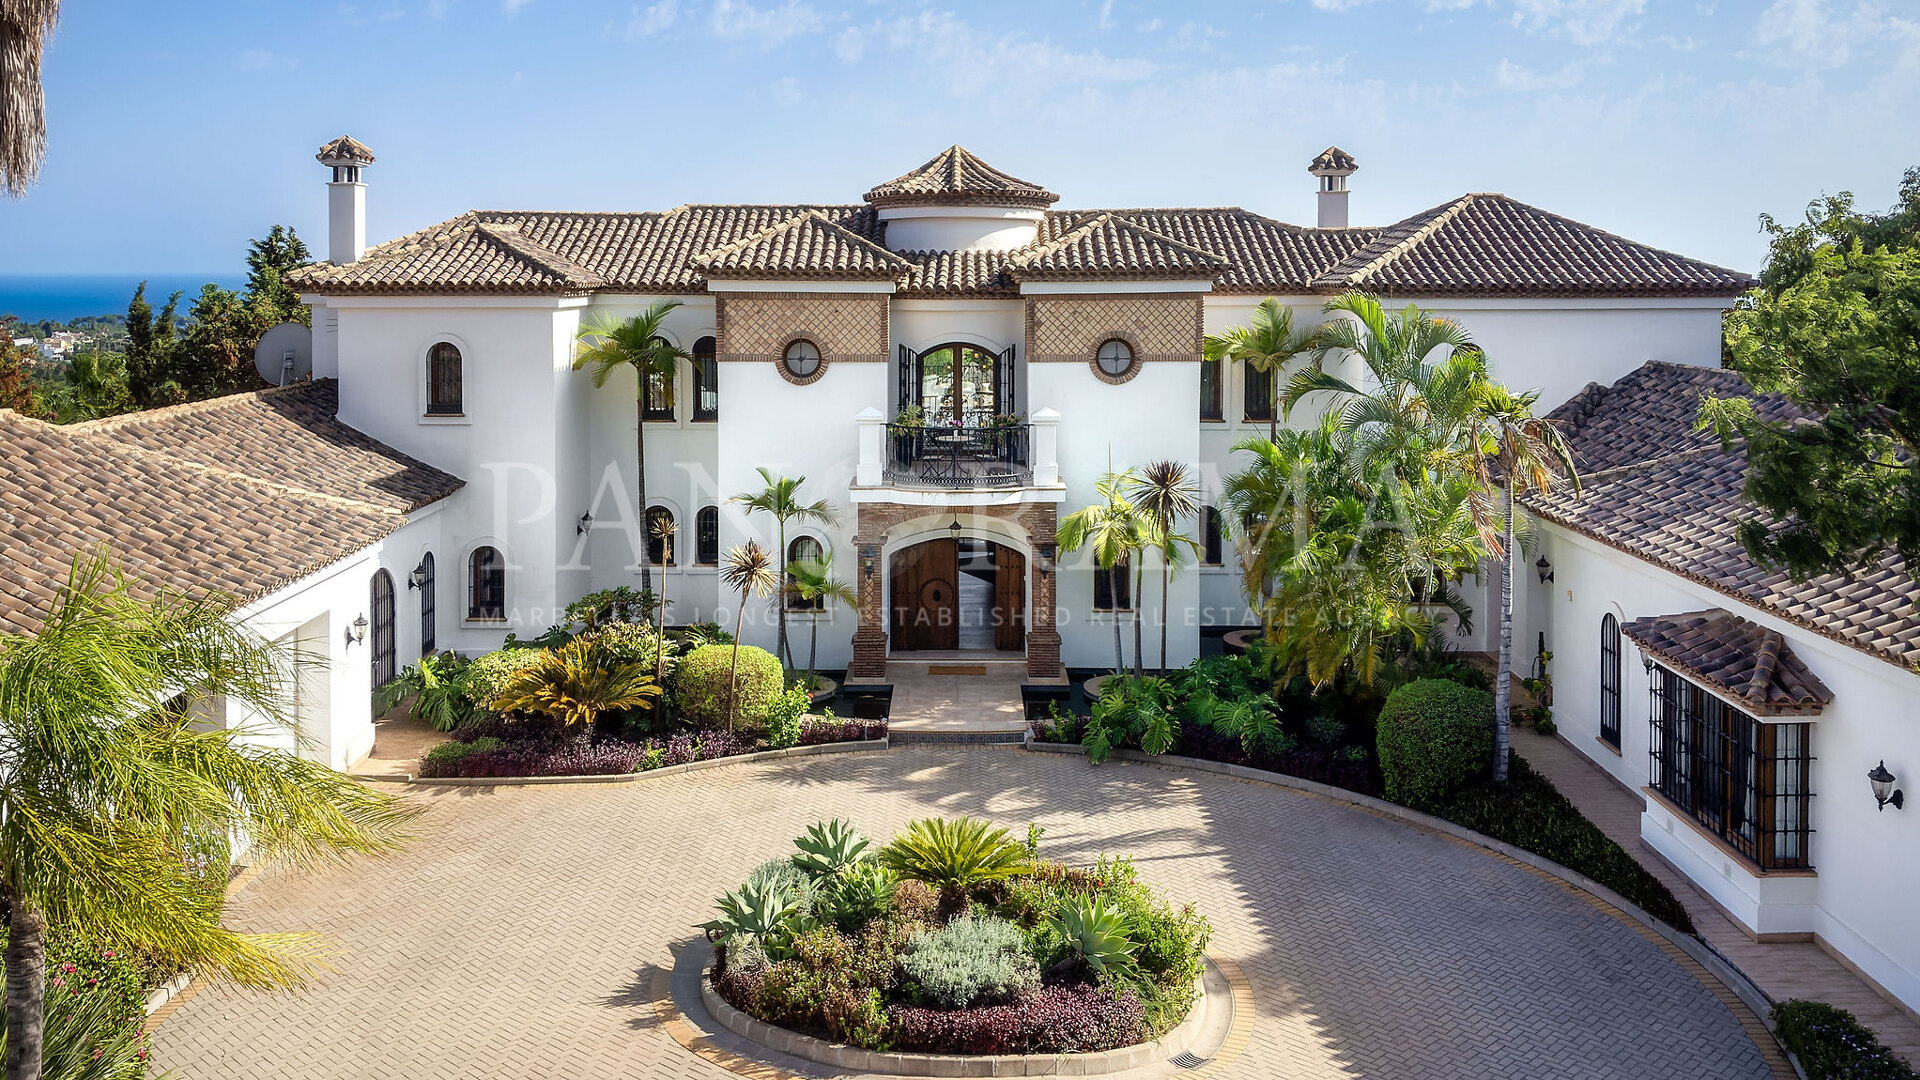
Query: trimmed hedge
[
  {"x": 1434, "y": 737},
  {"x": 1832, "y": 1045},
  {"x": 489, "y": 673},
  {"x": 700, "y": 686}
]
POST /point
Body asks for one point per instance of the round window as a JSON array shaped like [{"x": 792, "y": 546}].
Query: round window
[
  {"x": 1115, "y": 358},
  {"x": 802, "y": 359}
]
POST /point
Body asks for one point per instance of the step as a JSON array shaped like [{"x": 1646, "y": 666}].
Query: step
[{"x": 897, "y": 736}]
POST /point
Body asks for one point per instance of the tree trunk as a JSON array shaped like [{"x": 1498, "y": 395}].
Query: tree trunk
[
  {"x": 1119, "y": 652},
  {"x": 1139, "y": 581},
  {"x": 733, "y": 669},
  {"x": 785, "y": 653},
  {"x": 640, "y": 456},
  {"x": 26, "y": 992},
  {"x": 813, "y": 649},
  {"x": 1166, "y": 586},
  {"x": 1503, "y": 680},
  {"x": 1273, "y": 406}
]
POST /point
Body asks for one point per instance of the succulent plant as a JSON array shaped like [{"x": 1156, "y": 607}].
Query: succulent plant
[
  {"x": 829, "y": 849},
  {"x": 1098, "y": 932}
]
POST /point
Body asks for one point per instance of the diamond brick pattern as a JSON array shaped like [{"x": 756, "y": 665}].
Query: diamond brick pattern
[
  {"x": 1070, "y": 329},
  {"x": 845, "y": 327},
  {"x": 521, "y": 934}
]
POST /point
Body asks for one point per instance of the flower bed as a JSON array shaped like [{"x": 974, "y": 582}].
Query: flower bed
[
  {"x": 952, "y": 939},
  {"x": 498, "y": 746}
]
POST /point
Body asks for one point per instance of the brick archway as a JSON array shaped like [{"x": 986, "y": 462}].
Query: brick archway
[{"x": 878, "y": 520}]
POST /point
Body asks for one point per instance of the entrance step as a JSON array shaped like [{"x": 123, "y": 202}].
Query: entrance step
[{"x": 897, "y": 736}]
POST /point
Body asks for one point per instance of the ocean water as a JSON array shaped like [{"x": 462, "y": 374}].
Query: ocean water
[{"x": 62, "y": 297}]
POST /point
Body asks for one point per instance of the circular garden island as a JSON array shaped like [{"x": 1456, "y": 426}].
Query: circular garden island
[{"x": 952, "y": 938}]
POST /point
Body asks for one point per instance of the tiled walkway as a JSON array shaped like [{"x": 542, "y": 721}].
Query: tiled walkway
[
  {"x": 1783, "y": 970},
  {"x": 961, "y": 695},
  {"x": 519, "y": 935}
]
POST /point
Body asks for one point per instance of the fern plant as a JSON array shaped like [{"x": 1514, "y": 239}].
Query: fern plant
[
  {"x": 953, "y": 855},
  {"x": 1099, "y": 934},
  {"x": 829, "y": 849}
]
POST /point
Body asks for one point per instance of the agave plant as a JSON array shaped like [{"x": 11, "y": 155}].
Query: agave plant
[
  {"x": 863, "y": 892},
  {"x": 754, "y": 916},
  {"x": 1098, "y": 933},
  {"x": 953, "y": 855},
  {"x": 829, "y": 849}
]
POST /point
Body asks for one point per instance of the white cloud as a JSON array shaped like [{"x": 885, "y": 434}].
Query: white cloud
[
  {"x": 1815, "y": 35},
  {"x": 738, "y": 20},
  {"x": 1149, "y": 26},
  {"x": 437, "y": 9},
  {"x": 850, "y": 45},
  {"x": 266, "y": 60},
  {"x": 652, "y": 19},
  {"x": 1339, "y": 5},
  {"x": 1584, "y": 22},
  {"x": 997, "y": 60},
  {"x": 512, "y": 7},
  {"x": 1106, "y": 14},
  {"x": 1519, "y": 78}
]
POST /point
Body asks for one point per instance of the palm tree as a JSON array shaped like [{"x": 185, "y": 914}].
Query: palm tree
[
  {"x": 780, "y": 498},
  {"x": 1117, "y": 530},
  {"x": 811, "y": 580},
  {"x": 606, "y": 345},
  {"x": 746, "y": 569},
  {"x": 1529, "y": 455},
  {"x": 1165, "y": 493},
  {"x": 577, "y": 682},
  {"x": 663, "y": 531},
  {"x": 25, "y": 26},
  {"x": 1268, "y": 343},
  {"x": 112, "y": 788}
]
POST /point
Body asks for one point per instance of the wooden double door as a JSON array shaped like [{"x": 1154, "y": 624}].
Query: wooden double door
[{"x": 951, "y": 594}]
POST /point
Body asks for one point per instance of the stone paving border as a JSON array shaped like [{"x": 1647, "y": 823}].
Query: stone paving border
[
  {"x": 850, "y": 747},
  {"x": 1744, "y": 998}
]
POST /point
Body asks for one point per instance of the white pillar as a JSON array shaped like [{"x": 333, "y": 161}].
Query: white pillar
[
  {"x": 873, "y": 430},
  {"x": 1046, "y": 448},
  {"x": 346, "y": 221}
]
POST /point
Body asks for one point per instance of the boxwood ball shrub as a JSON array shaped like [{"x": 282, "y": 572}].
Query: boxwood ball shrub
[
  {"x": 489, "y": 673},
  {"x": 1434, "y": 736},
  {"x": 700, "y": 686}
]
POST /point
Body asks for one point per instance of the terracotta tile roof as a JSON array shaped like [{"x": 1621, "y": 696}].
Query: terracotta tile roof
[
  {"x": 955, "y": 177},
  {"x": 1490, "y": 245},
  {"x": 344, "y": 149},
  {"x": 289, "y": 438},
  {"x": 807, "y": 246},
  {"x": 1333, "y": 159},
  {"x": 1477, "y": 246},
  {"x": 1655, "y": 489},
  {"x": 170, "y": 522},
  {"x": 1740, "y": 659},
  {"x": 1107, "y": 247}
]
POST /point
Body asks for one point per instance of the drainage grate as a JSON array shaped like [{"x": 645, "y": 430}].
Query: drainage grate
[{"x": 1187, "y": 1061}]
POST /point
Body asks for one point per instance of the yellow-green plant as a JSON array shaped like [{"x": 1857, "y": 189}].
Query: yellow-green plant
[
  {"x": 577, "y": 682},
  {"x": 953, "y": 855}
]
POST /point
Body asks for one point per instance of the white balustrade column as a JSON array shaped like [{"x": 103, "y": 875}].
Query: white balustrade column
[
  {"x": 1046, "y": 448},
  {"x": 873, "y": 429}
]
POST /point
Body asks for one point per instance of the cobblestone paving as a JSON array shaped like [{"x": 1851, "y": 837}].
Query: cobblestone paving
[{"x": 519, "y": 936}]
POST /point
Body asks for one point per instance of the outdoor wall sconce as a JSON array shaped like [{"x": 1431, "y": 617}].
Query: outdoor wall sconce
[
  {"x": 1646, "y": 661},
  {"x": 954, "y": 528},
  {"x": 1883, "y": 790},
  {"x": 869, "y": 560},
  {"x": 585, "y": 525},
  {"x": 357, "y": 633},
  {"x": 418, "y": 579},
  {"x": 1545, "y": 568}
]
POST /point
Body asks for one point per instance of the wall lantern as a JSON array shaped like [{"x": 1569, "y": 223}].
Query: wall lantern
[
  {"x": 1883, "y": 790},
  {"x": 954, "y": 529},
  {"x": 418, "y": 579},
  {"x": 1545, "y": 568},
  {"x": 869, "y": 561},
  {"x": 1646, "y": 661},
  {"x": 357, "y": 633},
  {"x": 585, "y": 525}
]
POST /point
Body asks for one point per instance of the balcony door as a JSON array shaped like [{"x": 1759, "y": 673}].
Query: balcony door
[{"x": 964, "y": 385}]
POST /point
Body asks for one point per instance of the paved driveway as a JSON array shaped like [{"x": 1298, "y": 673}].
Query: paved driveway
[{"x": 519, "y": 936}]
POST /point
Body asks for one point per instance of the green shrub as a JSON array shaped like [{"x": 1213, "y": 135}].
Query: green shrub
[
  {"x": 700, "y": 686},
  {"x": 1832, "y": 1045},
  {"x": 858, "y": 895},
  {"x": 971, "y": 962},
  {"x": 449, "y": 752},
  {"x": 953, "y": 855},
  {"x": 783, "y": 716},
  {"x": 85, "y": 1037},
  {"x": 632, "y": 643},
  {"x": 1098, "y": 932},
  {"x": 490, "y": 672},
  {"x": 438, "y": 686},
  {"x": 1434, "y": 737}
]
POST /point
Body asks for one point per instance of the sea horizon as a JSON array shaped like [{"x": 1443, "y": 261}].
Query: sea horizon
[{"x": 36, "y": 298}]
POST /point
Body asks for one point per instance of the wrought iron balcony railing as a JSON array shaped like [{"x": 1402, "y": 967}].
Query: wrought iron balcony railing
[{"x": 939, "y": 456}]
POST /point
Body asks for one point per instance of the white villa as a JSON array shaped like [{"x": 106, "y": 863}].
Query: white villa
[{"x": 447, "y": 477}]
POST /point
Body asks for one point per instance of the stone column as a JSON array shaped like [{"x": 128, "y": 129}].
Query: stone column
[
  {"x": 870, "y": 640},
  {"x": 1043, "y": 638}
]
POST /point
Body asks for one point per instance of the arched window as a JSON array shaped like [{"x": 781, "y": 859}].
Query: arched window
[
  {"x": 486, "y": 586},
  {"x": 801, "y": 359},
  {"x": 422, "y": 579},
  {"x": 445, "y": 389},
  {"x": 706, "y": 380},
  {"x": 1115, "y": 359},
  {"x": 962, "y": 384},
  {"x": 802, "y": 549},
  {"x": 1211, "y": 548},
  {"x": 707, "y": 541},
  {"x": 656, "y": 402},
  {"x": 1610, "y": 680},
  {"x": 383, "y": 649},
  {"x": 659, "y": 539}
]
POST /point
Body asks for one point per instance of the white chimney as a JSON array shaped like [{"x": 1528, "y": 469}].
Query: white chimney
[
  {"x": 346, "y": 198},
  {"x": 1333, "y": 166}
]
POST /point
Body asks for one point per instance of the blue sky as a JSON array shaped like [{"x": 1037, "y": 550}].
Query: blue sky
[{"x": 181, "y": 130}]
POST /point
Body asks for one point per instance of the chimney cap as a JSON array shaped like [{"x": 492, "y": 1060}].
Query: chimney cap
[
  {"x": 345, "y": 150},
  {"x": 1333, "y": 161}
]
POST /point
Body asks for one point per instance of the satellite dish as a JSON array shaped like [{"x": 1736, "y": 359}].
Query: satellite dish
[{"x": 285, "y": 354}]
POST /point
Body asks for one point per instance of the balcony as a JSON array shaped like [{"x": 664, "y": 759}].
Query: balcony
[{"x": 997, "y": 457}]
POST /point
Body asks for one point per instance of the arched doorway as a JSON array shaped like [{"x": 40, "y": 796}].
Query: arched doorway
[
  {"x": 963, "y": 385},
  {"x": 951, "y": 594}
]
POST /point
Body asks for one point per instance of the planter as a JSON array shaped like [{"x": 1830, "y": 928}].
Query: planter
[
  {"x": 1093, "y": 685},
  {"x": 1237, "y": 642},
  {"x": 824, "y": 690},
  {"x": 1214, "y": 1002}
]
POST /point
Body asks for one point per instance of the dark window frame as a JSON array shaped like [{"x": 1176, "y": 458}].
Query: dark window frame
[
  {"x": 656, "y": 543},
  {"x": 486, "y": 585},
  {"x": 1113, "y": 584},
  {"x": 706, "y": 525},
  {"x": 1610, "y": 646},
  {"x": 446, "y": 380},
  {"x": 1212, "y": 399},
  {"x": 1212, "y": 538},
  {"x": 383, "y": 633},
  {"x": 1257, "y": 408},
  {"x": 706, "y": 381},
  {"x": 787, "y": 359},
  {"x": 1126, "y": 352},
  {"x": 658, "y": 386},
  {"x": 1743, "y": 782},
  {"x": 428, "y": 605}
]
